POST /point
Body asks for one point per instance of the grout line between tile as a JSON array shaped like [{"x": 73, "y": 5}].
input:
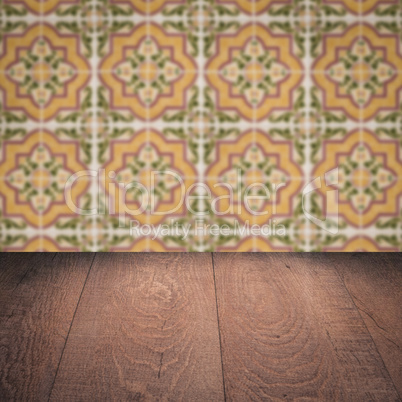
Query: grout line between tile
[
  {"x": 95, "y": 129},
  {"x": 307, "y": 88},
  {"x": 148, "y": 119},
  {"x": 201, "y": 127},
  {"x": 41, "y": 125},
  {"x": 361, "y": 110},
  {"x": 255, "y": 114}
]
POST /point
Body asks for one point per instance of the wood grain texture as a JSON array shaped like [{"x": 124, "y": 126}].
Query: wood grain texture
[
  {"x": 14, "y": 267},
  {"x": 374, "y": 282},
  {"x": 289, "y": 329},
  {"x": 146, "y": 329},
  {"x": 35, "y": 317}
]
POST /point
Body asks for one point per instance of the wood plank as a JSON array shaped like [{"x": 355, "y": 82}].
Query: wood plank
[
  {"x": 289, "y": 329},
  {"x": 14, "y": 267},
  {"x": 146, "y": 328},
  {"x": 374, "y": 281},
  {"x": 34, "y": 321}
]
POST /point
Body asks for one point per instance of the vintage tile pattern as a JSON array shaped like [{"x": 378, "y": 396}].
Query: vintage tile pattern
[{"x": 275, "y": 91}]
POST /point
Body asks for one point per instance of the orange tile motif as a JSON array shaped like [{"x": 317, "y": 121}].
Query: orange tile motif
[
  {"x": 253, "y": 6},
  {"x": 368, "y": 182},
  {"x": 149, "y": 6},
  {"x": 146, "y": 157},
  {"x": 359, "y": 72},
  {"x": 43, "y": 72},
  {"x": 41, "y": 6},
  {"x": 35, "y": 171},
  {"x": 200, "y": 125},
  {"x": 254, "y": 72},
  {"x": 142, "y": 73},
  {"x": 361, "y": 7},
  {"x": 255, "y": 158}
]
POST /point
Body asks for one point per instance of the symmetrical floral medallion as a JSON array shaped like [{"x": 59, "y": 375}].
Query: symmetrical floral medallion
[
  {"x": 254, "y": 72},
  {"x": 159, "y": 169},
  {"x": 43, "y": 72},
  {"x": 144, "y": 75},
  {"x": 359, "y": 72},
  {"x": 368, "y": 177},
  {"x": 252, "y": 161},
  {"x": 36, "y": 172}
]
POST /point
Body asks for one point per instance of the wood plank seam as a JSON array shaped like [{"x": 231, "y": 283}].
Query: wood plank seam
[
  {"x": 150, "y": 327},
  {"x": 219, "y": 328},
  {"x": 147, "y": 327},
  {"x": 71, "y": 324},
  {"x": 369, "y": 332},
  {"x": 294, "y": 332},
  {"x": 30, "y": 267},
  {"x": 373, "y": 319}
]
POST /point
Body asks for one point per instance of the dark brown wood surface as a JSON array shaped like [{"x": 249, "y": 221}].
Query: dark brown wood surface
[
  {"x": 375, "y": 287},
  {"x": 200, "y": 327},
  {"x": 290, "y": 329},
  {"x": 146, "y": 328},
  {"x": 37, "y": 305}
]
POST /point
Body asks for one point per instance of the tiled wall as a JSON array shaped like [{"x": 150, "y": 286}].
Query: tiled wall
[{"x": 278, "y": 92}]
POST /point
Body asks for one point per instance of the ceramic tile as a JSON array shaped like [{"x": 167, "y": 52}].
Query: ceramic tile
[{"x": 300, "y": 95}]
